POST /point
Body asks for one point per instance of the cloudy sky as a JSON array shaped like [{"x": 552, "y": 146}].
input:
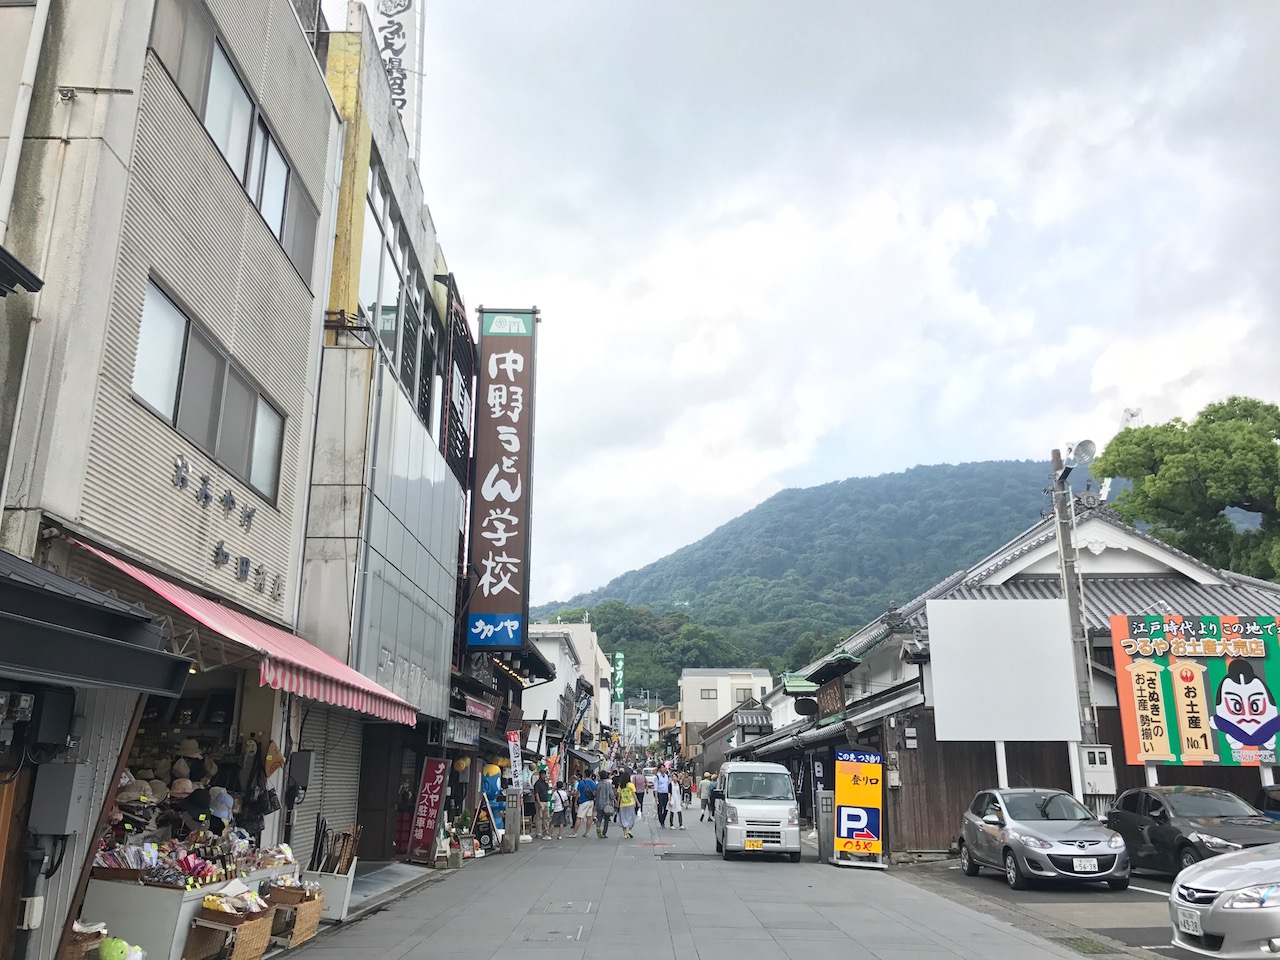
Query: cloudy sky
[{"x": 780, "y": 244}]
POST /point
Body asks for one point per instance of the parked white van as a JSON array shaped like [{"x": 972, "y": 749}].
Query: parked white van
[{"x": 756, "y": 810}]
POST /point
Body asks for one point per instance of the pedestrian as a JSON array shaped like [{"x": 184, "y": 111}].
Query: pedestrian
[
  {"x": 542, "y": 806},
  {"x": 704, "y": 794},
  {"x": 626, "y": 805},
  {"x": 676, "y": 808},
  {"x": 559, "y": 809},
  {"x": 641, "y": 785},
  {"x": 662, "y": 791},
  {"x": 606, "y": 806},
  {"x": 586, "y": 803},
  {"x": 572, "y": 789}
]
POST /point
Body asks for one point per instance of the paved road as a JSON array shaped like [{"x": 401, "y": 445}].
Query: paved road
[
  {"x": 1137, "y": 917},
  {"x": 666, "y": 896}
]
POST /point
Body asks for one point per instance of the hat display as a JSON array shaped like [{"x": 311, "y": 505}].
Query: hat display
[
  {"x": 222, "y": 805},
  {"x": 134, "y": 792},
  {"x": 157, "y": 791},
  {"x": 181, "y": 770},
  {"x": 164, "y": 769},
  {"x": 190, "y": 748},
  {"x": 197, "y": 804},
  {"x": 181, "y": 789}
]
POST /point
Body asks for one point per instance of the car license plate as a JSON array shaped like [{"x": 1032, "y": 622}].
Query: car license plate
[
  {"x": 1189, "y": 922},
  {"x": 1085, "y": 864},
  {"x": 753, "y": 845}
]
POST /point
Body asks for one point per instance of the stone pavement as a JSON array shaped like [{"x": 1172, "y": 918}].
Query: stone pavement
[{"x": 621, "y": 899}]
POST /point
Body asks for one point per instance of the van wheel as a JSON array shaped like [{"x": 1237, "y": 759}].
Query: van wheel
[
  {"x": 726, "y": 853},
  {"x": 795, "y": 857},
  {"x": 967, "y": 863},
  {"x": 719, "y": 846}
]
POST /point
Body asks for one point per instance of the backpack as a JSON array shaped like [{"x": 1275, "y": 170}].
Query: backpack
[{"x": 591, "y": 793}]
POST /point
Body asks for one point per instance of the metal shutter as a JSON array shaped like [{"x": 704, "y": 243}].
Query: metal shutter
[{"x": 335, "y": 737}]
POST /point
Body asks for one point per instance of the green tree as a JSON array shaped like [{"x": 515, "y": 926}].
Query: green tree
[{"x": 1208, "y": 487}]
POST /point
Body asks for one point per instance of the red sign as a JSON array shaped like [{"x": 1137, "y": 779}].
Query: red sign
[
  {"x": 427, "y": 812},
  {"x": 478, "y": 708}
]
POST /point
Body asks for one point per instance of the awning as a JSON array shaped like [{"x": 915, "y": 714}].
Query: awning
[
  {"x": 586, "y": 756},
  {"x": 288, "y": 662}
]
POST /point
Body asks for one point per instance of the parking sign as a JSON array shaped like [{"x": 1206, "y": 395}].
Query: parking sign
[{"x": 859, "y": 793}]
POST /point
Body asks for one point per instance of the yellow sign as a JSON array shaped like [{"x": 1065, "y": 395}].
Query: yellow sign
[
  {"x": 1152, "y": 717},
  {"x": 859, "y": 798}
]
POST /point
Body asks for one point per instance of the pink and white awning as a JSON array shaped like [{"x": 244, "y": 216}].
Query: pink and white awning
[{"x": 287, "y": 661}]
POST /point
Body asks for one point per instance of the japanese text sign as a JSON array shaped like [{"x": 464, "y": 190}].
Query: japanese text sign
[
  {"x": 859, "y": 793},
  {"x": 1197, "y": 689},
  {"x": 426, "y": 814},
  {"x": 397, "y": 28},
  {"x": 831, "y": 699},
  {"x": 513, "y": 754},
  {"x": 619, "y": 660},
  {"x": 503, "y": 459}
]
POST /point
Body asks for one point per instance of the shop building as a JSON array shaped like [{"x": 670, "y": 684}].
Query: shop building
[
  {"x": 551, "y": 710},
  {"x": 178, "y": 173},
  {"x": 904, "y": 684}
]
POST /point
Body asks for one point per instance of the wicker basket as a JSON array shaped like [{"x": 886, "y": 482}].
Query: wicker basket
[
  {"x": 287, "y": 896},
  {"x": 306, "y": 921},
  {"x": 203, "y": 943},
  {"x": 78, "y": 944},
  {"x": 224, "y": 918},
  {"x": 253, "y": 937}
]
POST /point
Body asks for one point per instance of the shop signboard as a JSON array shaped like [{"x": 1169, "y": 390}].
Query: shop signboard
[
  {"x": 831, "y": 700},
  {"x": 513, "y": 753},
  {"x": 618, "y": 664},
  {"x": 859, "y": 793},
  {"x": 399, "y": 35},
  {"x": 483, "y": 829},
  {"x": 1198, "y": 690},
  {"x": 465, "y": 730},
  {"x": 427, "y": 812},
  {"x": 499, "y": 604},
  {"x": 478, "y": 708}
]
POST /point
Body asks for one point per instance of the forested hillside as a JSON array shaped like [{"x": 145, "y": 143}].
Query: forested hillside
[{"x": 784, "y": 581}]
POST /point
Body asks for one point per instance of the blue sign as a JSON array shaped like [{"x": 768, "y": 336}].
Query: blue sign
[
  {"x": 495, "y": 631},
  {"x": 858, "y": 823},
  {"x": 858, "y": 756}
]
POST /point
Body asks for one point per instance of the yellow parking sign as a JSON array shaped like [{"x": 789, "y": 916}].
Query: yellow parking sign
[{"x": 859, "y": 793}]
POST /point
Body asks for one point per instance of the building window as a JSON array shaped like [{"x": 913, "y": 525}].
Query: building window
[
  {"x": 764, "y": 692},
  {"x": 183, "y": 36},
  {"x": 866, "y": 682},
  {"x": 184, "y": 377},
  {"x": 708, "y": 693},
  {"x": 741, "y": 695}
]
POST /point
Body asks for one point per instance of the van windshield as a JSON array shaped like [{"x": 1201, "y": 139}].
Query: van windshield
[{"x": 759, "y": 786}]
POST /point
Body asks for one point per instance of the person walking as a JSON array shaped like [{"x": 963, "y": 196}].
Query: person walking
[
  {"x": 626, "y": 805},
  {"x": 641, "y": 785},
  {"x": 676, "y": 807},
  {"x": 704, "y": 794},
  {"x": 542, "y": 806},
  {"x": 586, "y": 803},
  {"x": 606, "y": 806},
  {"x": 662, "y": 791},
  {"x": 559, "y": 809}
]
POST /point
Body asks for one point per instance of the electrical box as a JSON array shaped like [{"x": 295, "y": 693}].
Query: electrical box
[
  {"x": 60, "y": 801},
  {"x": 1097, "y": 768},
  {"x": 51, "y": 723},
  {"x": 300, "y": 768}
]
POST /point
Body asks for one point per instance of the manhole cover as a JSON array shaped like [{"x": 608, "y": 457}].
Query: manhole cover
[
  {"x": 1089, "y": 948},
  {"x": 554, "y": 936},
  {"x": 577, "y": 906},
  {"x": 689, "y": 856}
]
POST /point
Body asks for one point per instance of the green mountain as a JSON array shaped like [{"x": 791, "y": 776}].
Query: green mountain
[{"x": 787, "y": 579}]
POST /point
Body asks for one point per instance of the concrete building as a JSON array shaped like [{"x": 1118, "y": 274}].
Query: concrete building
[{"x": 706, "y": 694}]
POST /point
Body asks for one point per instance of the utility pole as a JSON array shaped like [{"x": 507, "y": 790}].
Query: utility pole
[{"x": 1072, "y": 593}]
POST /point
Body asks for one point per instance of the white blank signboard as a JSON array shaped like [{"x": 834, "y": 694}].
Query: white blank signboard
[{"x": 1002, "y": 670}]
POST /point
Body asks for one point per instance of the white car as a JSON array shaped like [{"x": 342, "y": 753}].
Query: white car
[{"x": 1229, "y": 906}]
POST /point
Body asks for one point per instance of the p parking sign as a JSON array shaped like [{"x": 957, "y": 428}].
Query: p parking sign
[{"x": 859, "y": 800}]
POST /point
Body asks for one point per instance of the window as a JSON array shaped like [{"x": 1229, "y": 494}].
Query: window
[
  {"x": 185, "y": 39},
  {"x": 1129, "y": 802},
  {"x": 741, "y": 695},
  {"x": 708, "y": 693},
  {"x": 764, "y": 691},
  {"x": 370, "y": 264},
  {"x": 182, "y": 375},
  {"x": 979, "y": 804}
]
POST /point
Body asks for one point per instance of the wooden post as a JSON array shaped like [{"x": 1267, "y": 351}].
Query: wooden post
[{"x": 104, "y": 814}]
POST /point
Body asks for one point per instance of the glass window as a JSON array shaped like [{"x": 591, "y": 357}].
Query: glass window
[
  {"x": 741, "y": 695},
  {"x": 426, "y": 381},
  {"x": 370, "y": 264},
  {"x": 1207, "y": 803},
  {"x": 267, "y": 434},
  {"x": 759, "y": 785},
  {"x": 201, "y": 400},
  {"x": 239, "y": 409},
  {"x": 229, "y": 112},
  {"x": 159, "y": 358},
  {"x": 979, "y": 804},
  {"x": 709, "y": 694},
  {"x": 1129, "y": 802},
  {"x": 275, "y": 179},
  {"x": 1045, "y": 806},
  {"x": 300, "y": 219},
  {"x": 389, "y": 306}
]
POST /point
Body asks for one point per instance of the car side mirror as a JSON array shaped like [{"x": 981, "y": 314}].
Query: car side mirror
[
  {"x": 993, "y": 820},
  {"x": 717, "y": 795}
]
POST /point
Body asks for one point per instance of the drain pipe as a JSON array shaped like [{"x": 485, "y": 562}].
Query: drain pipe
[{"x": 21, "y": 109}]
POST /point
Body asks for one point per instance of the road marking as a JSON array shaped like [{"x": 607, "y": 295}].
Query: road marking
[{"x": 1158, "y": 893}]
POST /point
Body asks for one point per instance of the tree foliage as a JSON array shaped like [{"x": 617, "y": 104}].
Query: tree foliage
[
  {"x": 1208, "y": 487},
  {"x": 780, "y": 585}
]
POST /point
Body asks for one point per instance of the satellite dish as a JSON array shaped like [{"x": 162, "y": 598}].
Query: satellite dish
[{"x": 1084, "y": 451}]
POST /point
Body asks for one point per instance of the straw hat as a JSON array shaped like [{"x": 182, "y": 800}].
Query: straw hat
[
  {"x": 181, "y": 770},
  {"x": 181, "y": 788},
  {"x": 190, "y": 748},
  {"x": 157, "y": 791},
  {"x": 134, "y": 792}
]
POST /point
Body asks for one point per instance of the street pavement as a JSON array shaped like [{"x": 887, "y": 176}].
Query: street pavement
[
  {"x": 666, "y": 895},
  {"x": 1137, "y": 917}
]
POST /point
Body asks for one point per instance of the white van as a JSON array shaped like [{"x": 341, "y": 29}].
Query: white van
[{"x": 756, "y": 810}]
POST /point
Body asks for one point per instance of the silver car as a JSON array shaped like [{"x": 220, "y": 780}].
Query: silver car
[
  {"x": 1226, "y": 907},
  {"x": 1040, "y": 834}
]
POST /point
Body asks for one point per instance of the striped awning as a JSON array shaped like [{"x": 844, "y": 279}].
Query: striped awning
[{"x": 286, "y": 661}]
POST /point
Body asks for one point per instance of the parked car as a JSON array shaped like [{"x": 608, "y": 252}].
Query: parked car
[
  {"x": 1219, "y": 908},
  {"x": 756, "y": 810},
  {"x": 1269, "y": 801},
  {"x": 1040, "y": 833},
  {"x": 1167, "y": 829}
]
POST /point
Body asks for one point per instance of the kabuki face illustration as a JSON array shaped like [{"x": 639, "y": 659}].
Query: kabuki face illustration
[{"x": 1245, "y": 710}]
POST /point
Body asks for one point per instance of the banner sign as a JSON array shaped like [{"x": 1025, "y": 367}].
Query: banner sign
[
  {"x": 398, "y": 32},
  {"x": 859, "y": 802},
  {"x": 831, "y": 699},
  {"x": 427, "y": 812},
  {"x": 513, "y": 754},
  {"x": 478, "y": 708},
  {"x": 499, "y": 538},
  {"x": 1198, "y": 689},
  {"x": 618, "y": 663}
]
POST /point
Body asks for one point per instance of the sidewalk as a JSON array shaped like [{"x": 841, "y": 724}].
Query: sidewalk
[{"x": 669, "y": 896}]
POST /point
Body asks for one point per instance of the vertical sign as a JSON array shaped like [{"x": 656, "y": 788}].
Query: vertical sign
[
  {"x": 618, "y": 663},
  {"x": 499, "y": 540},
  {"x": 831, "y": 700},
  {"x": 399, "y": 44},
  {"x": 513, "y": 754},
  {"x": 859, "y": 792},
  {"x": 427, "y": 812}
]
